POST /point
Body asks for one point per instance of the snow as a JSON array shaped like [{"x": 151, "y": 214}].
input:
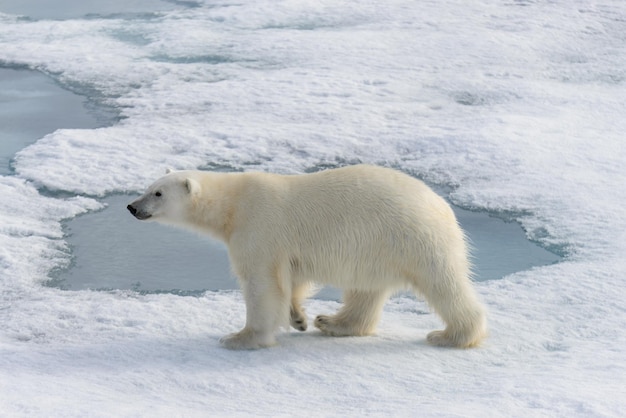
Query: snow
[{"x": 517, "y": 105}]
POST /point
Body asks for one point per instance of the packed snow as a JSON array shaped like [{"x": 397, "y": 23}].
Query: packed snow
[{"x": 518, "y": 106}]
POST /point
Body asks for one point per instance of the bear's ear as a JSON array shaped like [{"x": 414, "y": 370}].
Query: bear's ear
[
  {"x": 193, "y": 187},
  {"x": 169, "y": 170}
]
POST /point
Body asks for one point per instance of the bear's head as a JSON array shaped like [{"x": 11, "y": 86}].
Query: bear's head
[{"x": 168, "y": 200}]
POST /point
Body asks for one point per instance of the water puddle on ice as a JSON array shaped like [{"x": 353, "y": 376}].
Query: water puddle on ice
[
  {"x": 33, "y": 105},
  {"x": 70, "y": 9},
  {"x": 143, "y": 256},
  {"x": 112, "y": 250}
]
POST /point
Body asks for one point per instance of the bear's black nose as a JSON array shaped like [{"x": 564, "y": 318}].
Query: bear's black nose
[{"x": 132, "y": 209}]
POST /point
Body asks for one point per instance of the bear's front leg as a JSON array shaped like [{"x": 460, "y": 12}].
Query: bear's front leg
[
  {"x": 297, "y": 318},
  {"x": 248, "y": 339},
  {"x": 267, "y": 308}
]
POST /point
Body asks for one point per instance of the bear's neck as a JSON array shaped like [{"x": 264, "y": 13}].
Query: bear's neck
[{"x": 214, "y": 209}]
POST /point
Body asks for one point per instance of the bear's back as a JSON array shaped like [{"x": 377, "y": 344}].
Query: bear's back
[
  {"x": 358, "y": 221},
  {"x": 366, "y": 193}
]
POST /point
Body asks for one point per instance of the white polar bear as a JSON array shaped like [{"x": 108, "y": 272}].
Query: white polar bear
[{"x": 368, "y": 230}]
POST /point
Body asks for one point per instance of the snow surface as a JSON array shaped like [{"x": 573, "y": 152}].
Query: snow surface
[{"x": 518, "y": 105}]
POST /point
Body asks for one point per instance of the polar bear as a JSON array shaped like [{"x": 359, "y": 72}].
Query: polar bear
[{"x": 368, "y": 230}]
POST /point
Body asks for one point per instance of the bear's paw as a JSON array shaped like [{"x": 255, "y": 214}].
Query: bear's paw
[
  {"x": 331, "y": 325},
  {"x": 247, "y": 339},
  {"x": 297, "y": 319}
]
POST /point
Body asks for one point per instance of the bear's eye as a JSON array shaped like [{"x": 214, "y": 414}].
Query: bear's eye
[{"x": 158, "y": 194}]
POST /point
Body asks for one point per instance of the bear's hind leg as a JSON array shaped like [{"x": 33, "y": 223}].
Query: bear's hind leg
[
  {"x": 457, "y": 304},
  {"x": 358, "y": 316}
]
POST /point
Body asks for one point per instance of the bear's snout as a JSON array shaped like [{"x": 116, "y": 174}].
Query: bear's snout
[{"x": 139, "y": 214}]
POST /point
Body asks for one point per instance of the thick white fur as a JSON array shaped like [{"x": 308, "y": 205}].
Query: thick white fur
[{"x": 368, "y": 230}]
